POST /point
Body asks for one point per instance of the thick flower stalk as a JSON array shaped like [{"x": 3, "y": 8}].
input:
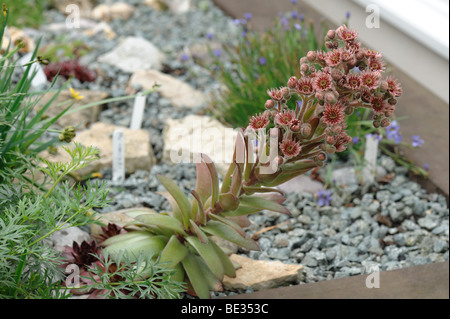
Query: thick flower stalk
[{"x": 279, "y": 144}]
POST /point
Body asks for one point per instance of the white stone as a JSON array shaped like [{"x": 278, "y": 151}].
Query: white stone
[
  {"x": 178, "y": 6},
  {"x": 118, "y": 10},
  {"x": 178, "y": 92},
  {"x": 132, "y": 54},
  {"x": 66, "y": 237},
  {"x": 138, "y": 150},
  {"x": 15, "y": 34},
  {"x": 301, "y": 184},
  {"x": 185, "y": 139},
  {"x": 84, "y": 6},
  {"x": 261, "y": 275}
]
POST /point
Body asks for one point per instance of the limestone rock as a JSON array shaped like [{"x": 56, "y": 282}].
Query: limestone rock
[
  {"x": 185, "y": 139},
  {"x": 178, "y": 92},
  {"x": 261, "y": 275},
  {"x": 83, "y": 118},
  {"x": 120, "y": 218},
  {"x": 66, "y": 6},
  {"x": 132, "y": 54},
  {"x": 118, "y": 10},
  {"x": 178, "y": 6},
  {"x": 301, "y": 184},
  {"x": 66, "y": 237},
  {"x": 14, "y": 35},
  {"x": 138, "y": 150}
]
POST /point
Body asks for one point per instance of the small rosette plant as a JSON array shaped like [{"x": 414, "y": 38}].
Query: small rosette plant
[{"x": 299, "y": 139}]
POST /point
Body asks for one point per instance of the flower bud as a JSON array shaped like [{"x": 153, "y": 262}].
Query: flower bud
[
  {"x": 383, "y": 86},
  {"x": 304, "y": 67},
  {"x": 311, "y": 55},
  {"x": 321, "y": 156},
  {"x": 292, "y": 82},
  {"x": 305, "y": 130},
  {"x": 270, "y": 104},
  {"x": 285, "y": 92},
  {"x": 392, "y": 101},
  {"x": 303, "y": 60},
  {"x": 330, "y": 140},
  {"x": 349, "y": 110},
  {"x": 330, "y": 98},
  {"x": 331, "y": 34},
  {"x": 329, "y": 45},
  {"x": 376, "y": 123},
  {"x": 294, "y": 125},
  {"x": 330, "y": 149},
  {"x": 385, "y": 122}
]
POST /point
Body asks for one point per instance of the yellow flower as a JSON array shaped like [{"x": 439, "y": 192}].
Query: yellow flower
[{"x": 76, "y": 95}]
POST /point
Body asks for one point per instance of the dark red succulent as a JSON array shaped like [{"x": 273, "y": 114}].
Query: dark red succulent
[
  {"x": 69, "y": 68},
  {"x": 109, "y": 231}
]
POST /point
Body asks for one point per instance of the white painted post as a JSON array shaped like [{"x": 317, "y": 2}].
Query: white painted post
[
  {"x": 138, "y": 112},
  {"x": 370, "y": 159},
  {"x": 118, "y": 165}
]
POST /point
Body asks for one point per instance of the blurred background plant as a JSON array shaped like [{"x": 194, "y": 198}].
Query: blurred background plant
[
  {"x": 26, "y": 13},
  {"x": 259, "y": 61}
]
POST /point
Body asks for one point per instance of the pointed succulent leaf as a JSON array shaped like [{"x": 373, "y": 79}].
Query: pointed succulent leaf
[
  {"x": 249, "y": 190},
  {"x": 230, "y": 223},
  {"x": 261, "y": 203},
  {"x": 236, "y": 181},
  {"x": 200, "y": 234},
  {"x": 209, "y": 255},
  {"x": 226, "y": 184},
  {"x": 176, "y": 211},
  {"x": 228, "y": 266},
  {"x": 200, "y": 216},
  {"x": 228, "y": 201},
  {"x": 224, "y": 231},
  {"x": 162, "y": 221},
  {"x": 242, "y": 221},
  {"x": 204, "y": 182},
  {"x": 179, "y": 196},
  {"x": 149, "y": 245},
  {"x": 241, "y": 211},
  {"x": 173, "y": 252},
  {"x": 214, "y": 179},
  {"x": 273, "y": 197},
  {"x": 200, "y": 277},
  {"x": 283, "y": 178}
]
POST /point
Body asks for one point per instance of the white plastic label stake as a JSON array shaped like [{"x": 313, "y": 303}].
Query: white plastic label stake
[
  {"x": 370, "y": 158},
  {"x": 40, "y": 78},
  {"x": 118, "y": 165},
  {"x": 138, "y": 112}
]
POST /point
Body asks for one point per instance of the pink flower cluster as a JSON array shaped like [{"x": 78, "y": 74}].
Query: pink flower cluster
[{"x": 332, "y": 84}]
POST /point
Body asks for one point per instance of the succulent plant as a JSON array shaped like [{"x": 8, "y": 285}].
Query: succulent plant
[{"x": 327, "y": 92}]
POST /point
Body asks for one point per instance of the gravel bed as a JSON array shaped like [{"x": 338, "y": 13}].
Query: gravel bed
[{"x": 388, "y": 225}]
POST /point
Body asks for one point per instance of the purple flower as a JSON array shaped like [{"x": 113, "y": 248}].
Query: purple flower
[
  {"x": 285, "y": 22},
  {"x": 294, "y": 1},
  {"x": 262, "y": 61},
  {"x": 324, "y": 197},
  {"x": 376, "y": 136},
  {"x": 301, "y": 17},
  {"x": 297, "y": 26},
  {"x": 426, "y": 167},
  {"x": 209, "y": 35},
  {"x": 417, "y": 141},
  {"x": 184, "y": 57},
  {"x": 347, "y": 14},
  {"x": 217, "y": 52},
  {"x": 355, "y": 140},
  {"x": 392, "y": 132},
  {"x": 248, "y": 16},
  {"x": 294, "y": 14}
]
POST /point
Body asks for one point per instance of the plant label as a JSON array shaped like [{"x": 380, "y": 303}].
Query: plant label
[
  {"x": 370, "y": 159},
  {"x": 138, "y": 112},
  {"x": 118, "y": 165}
]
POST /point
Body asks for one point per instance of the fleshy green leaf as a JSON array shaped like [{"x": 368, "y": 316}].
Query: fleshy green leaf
[
  {"x": 228, "y": 266},
  {"x": 226, "y": 232},
  {"x": 200, "y": 234},
  {"x": 204, "y": 183},
  {"x": 261, "y": 203},
  {"x": 200, "y": 277},
  {"x": 214, "y": 179},
  {"x": 209, "y": 255},
  {"x": 228, "y": 201},
  {"x": 179, "y": 196},
  {"x": 173, "y": 252},
  {"x": 200, "y": 216},
  {"x": 230, "y": 223},
  {"x": 163, "y": 221}
]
